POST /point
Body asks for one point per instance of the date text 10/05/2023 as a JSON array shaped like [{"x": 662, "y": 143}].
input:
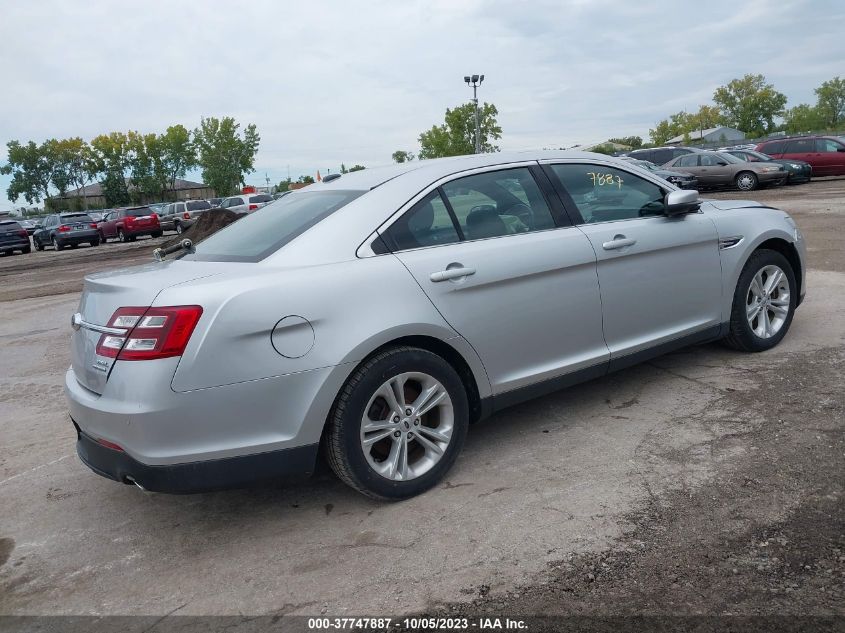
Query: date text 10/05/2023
[{"x": 417, "y": 624}]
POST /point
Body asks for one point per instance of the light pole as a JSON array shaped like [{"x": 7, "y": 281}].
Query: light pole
[{"x": 475, "y": 81}]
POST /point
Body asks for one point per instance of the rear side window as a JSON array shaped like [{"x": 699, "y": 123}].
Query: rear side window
[
  {"x": 800, "y": 146},
  {"x": 775, "y": 147},
  {"x": 827, "y": 145},
  {"x": 607, "y": 194},
  {"x": 198, "y": 205},
  {"x": 262, "y": 233},
  {"x": 427, "y": 223}
]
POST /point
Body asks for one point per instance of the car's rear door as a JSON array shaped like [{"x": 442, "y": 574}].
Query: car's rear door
[
  {"x": 830, "y": 157},
  {"x": 660, "y": 276},
  {"x": 804, "y": 149},
  {"x": 495, "y": 255}
]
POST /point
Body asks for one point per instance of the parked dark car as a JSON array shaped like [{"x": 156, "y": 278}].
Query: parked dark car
[
  {"x": 797, "y": 170},
  {"x": 178, "y": 216},
  {"x": 826, "y": 154},
  {"x": 215, "y": 202},
  {"x": 680, "y": 179},
  {"x": 13, "y": 237},
  {"x": 127, "y": 224},
  {"x": 28, "y": 226},
  {"x": 717, "y": 169},
  {"x": 661, "y": 155},
  {"x": 66, "y": 229}
]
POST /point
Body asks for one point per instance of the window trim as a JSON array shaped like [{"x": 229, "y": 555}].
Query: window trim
[
  {"x": 557, "y": 209},
  {"x": 573, "y": 209}
]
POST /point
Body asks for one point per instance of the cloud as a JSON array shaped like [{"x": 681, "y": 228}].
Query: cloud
[{"x": 332, "y": 81}]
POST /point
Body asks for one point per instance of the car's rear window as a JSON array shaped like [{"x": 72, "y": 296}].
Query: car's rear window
[
  {"x": 7, "y": 226},
  {"x": 198, "y": 205},
  {"x": 76, "y": 217},
  {"x": 139, "y": 212},
  {"x": 262, "y": 233},
  {"x": 262, "y": 197}
]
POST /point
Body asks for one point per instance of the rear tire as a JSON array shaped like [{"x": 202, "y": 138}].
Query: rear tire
[
  {"x": 413, "y": 450},
  {"x": 94, "y": 242},
  {"x": 26, "y": 250},
  {"x": 179, "y": 228},
  {"x": 121, "y": 236},
  {"x": 746, "y": 181},
  {"x": 763, "y": 304},
  {"x": 157, "y": 234},
  {"x": 103, "y": 239},
  {"x": 57, "y": 245}
]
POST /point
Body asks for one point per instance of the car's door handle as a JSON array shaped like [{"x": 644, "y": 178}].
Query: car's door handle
[
  {"x": 451, "y": 273},
  {"x": 618, "y": 241}
]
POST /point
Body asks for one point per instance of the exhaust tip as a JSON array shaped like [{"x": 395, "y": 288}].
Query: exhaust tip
[{"x": 129, "y": 479}]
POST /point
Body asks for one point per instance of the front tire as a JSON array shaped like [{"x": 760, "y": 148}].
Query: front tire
[
  {"x": 746, "y": 181},
  {"x": 398, "y": 424},
  {"x": 37, "y": 244},
  {"x": 764, "y": 302}
]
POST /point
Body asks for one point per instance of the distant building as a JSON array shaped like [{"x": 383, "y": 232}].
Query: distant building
[
  {"x": 93, "y": 194},
  {"x": 710, "y": 135}
]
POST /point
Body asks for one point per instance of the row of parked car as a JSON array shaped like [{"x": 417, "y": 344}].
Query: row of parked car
[
  {"x": 788, "y": 160},
  {"x": 61, "y": 230}
]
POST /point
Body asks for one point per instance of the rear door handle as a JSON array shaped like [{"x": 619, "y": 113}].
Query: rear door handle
[
  {"x": 451, "y": 273},
  {"x": 619, "y": 241}
]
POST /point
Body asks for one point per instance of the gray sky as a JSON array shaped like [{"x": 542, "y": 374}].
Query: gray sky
[{"x": 340, "y": 81}]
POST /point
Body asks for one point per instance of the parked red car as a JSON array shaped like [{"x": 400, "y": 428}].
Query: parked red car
[
  {"x": 127, "y": 224},
  {"x": 826, "y": 154}
]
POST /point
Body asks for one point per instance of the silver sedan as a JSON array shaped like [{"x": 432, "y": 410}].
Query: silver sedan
[{"x": 371, "y": 319}]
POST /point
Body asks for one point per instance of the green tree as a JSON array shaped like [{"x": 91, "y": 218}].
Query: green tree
[
  {"x": 604, "y": 148},
  {"x": 177, "y": 154},
  {"x": 34, "y": 168},
  {"x": 356, "y": 168},
  {"x": 225, "y": 154},
  {"x": 802, "y": 118},
  {"x": 831, "y": 104},
  {"x": 145, "y": 169},
  {"x": 634, "y": 142},
  {"x": 79, "y": 165},
  {"x": 456, "y": 136},
  {"x": 401, "y": 156},
  {"x": 283, "y": 185},
  {"x": 661, "y": 132},
  {"x": 113, "y": 155},
  {"x": 343, "y": 169},
  {"x": 306, "y": 180},
  {"x": 750, "y": 104}
]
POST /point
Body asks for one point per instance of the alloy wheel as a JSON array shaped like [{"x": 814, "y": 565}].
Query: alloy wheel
[
  {"x": 407, "y": 426},
  {"x": 767, "y": 302},
  {"x": 746, "y": 182}
]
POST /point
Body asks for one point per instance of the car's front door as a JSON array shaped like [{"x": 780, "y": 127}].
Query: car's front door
[
  {"x": 660, "y": 276},
  {"x": 490, "y": 252},
  {"x": 715, "y": 171}
]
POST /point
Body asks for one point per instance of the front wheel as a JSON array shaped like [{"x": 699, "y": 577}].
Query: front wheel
[
  {"x": 746, "y": 181},
  {"x": 37, "y": 244},
  {"x": 398, "y": 424},
  {"x": 764, "y": 302}
]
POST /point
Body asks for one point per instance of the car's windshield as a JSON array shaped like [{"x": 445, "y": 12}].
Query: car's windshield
[
  {"x": 759, "y": 155},
  {"x": 198, "y": 205},
  {"x": 647, "y": 164},
  {"x": 262, "y": 233}
]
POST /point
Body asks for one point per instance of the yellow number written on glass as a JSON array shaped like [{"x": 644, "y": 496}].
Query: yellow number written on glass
[{"x": 603, "y": 180}]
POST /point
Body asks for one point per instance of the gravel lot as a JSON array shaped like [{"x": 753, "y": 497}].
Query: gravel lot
[{"x": 704, "y": 482}]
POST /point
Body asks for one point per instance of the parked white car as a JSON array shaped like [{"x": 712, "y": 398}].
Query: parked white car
[{"x": 246, "y": 202}]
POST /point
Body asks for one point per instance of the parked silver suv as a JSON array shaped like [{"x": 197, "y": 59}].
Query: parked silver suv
[
  {"x": 378, "y": 315},
  {"x": 178, "y": 216},
  {"x": 246, "y": 202}
]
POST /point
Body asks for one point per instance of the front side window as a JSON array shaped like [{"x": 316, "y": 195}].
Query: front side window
[
  {"x": 607, "y": 194},
  {"x": 827, "y": 145},
  {"x": 708, "y": 160}
]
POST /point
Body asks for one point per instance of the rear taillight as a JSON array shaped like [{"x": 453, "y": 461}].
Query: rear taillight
[
  {"x": 150, "y": 332},
  {"x": 64, "y": 228},
  {"x": 154, "y": 216},
  {"x": 93, "y": 225},
  {"x": 23, "y": 233},
  {"x": 129, "y": 219},
  {"x": 186, "y": 215},
  {"x": 253, "y": 207}
]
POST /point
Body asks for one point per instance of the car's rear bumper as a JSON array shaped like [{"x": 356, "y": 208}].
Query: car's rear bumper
[
  {"x": 77, "y": 237},
  {"x": 144, "y": 231},
  {"x": 17, "y": 245},
  {"x": 215, "y": 474}
]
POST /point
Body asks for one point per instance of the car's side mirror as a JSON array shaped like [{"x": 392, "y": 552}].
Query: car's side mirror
[
  {"x": 681, "y": 202},
  {"x": 721, "y": 163}
]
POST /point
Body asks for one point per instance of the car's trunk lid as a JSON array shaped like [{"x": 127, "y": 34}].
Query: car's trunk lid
[{"x": 104, "y": 293}]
